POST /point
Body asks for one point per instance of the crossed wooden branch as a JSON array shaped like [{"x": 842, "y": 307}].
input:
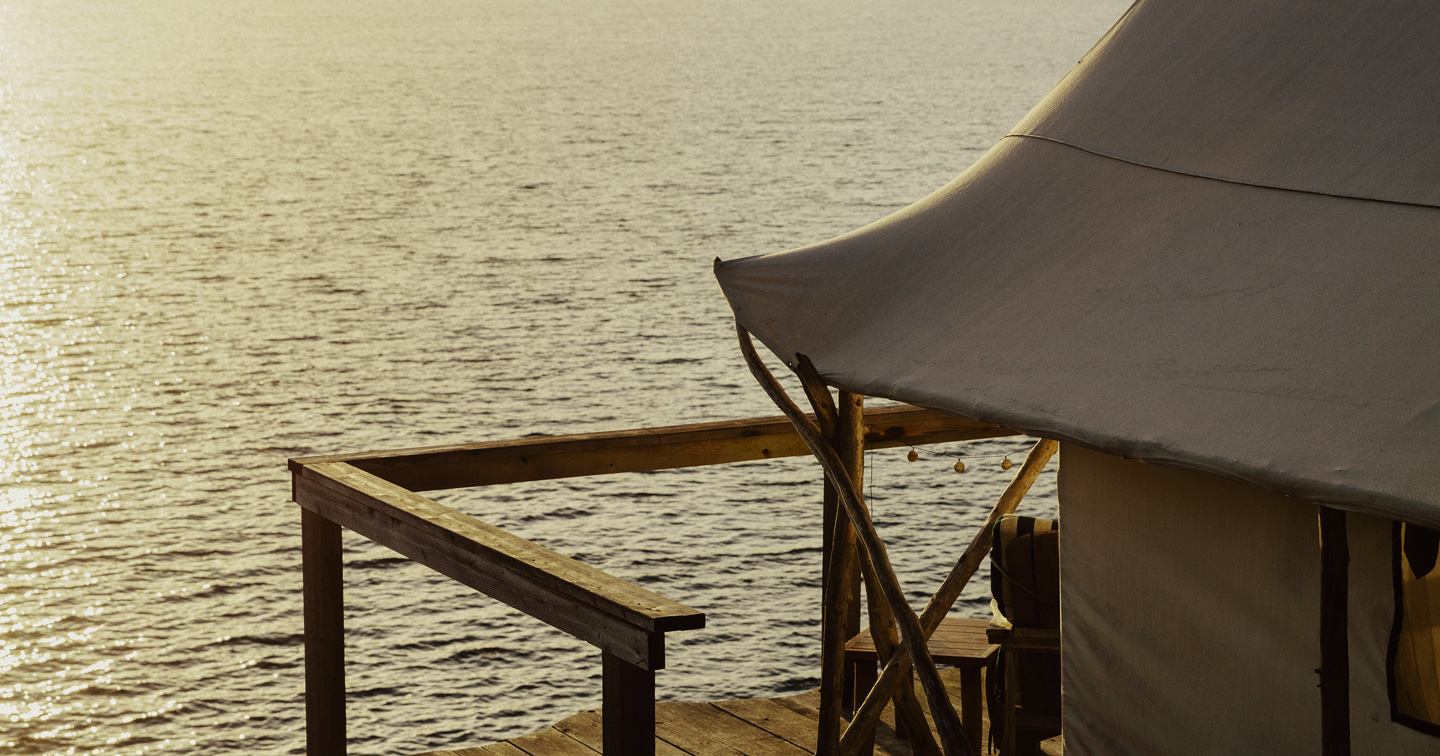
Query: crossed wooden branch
[{"x": 914, "y": 630}]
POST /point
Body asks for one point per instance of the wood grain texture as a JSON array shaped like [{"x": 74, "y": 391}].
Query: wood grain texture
[
  {"x": 551, "y": 742},
  {"x": 959, "y": 641},
  {"x": 850, "y": 430},
  {"x": 516, "y": 460},
  {"x": 612, "y": 614},
  {"x": 588, "y": 728},
  {"x": 840, "y": 605},
  {"x": 778, "y": 720},
  {"x": 736, "y": 733},
  {"x": 676, "y": 728}
]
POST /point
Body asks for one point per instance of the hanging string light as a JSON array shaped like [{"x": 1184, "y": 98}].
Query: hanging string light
[{"x": 914, "y": 455}]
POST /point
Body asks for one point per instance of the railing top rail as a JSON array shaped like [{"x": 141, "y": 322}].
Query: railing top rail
[
  {"x": 641, "y": 450},
  {"x": 590, "y": 604}
]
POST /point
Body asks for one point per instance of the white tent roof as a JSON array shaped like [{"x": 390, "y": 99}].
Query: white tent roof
[{"x": 1216, "y": 244}]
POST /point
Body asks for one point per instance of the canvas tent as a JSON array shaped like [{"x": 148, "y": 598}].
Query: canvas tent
[{"x": 1214, "y": 247}]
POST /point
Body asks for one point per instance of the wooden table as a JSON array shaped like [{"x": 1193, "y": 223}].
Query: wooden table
[{"x": 960, "y": 642}]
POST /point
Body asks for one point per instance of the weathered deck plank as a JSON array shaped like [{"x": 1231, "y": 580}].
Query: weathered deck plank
[
  {"x": 587, "y": 728},
  {"x": 743, "y": 727},
  {"x": 691, "y": 738},
  {"x": 770, "y": 716},
  {"x": 551, "y": 742},
  {"x": 743, "y": 736}
]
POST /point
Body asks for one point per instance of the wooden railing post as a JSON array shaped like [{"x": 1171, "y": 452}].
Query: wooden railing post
[
  {"x": 628, "y": 707},
  {"x": 324, "y": 636},
  {"x": 850, "y": 442}
]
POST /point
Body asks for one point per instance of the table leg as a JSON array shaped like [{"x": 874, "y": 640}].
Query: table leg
[{"x": 972, "y": 693}]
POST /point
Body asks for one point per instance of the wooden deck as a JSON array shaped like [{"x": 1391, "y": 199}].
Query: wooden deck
[{"x": 750, "y": 727}]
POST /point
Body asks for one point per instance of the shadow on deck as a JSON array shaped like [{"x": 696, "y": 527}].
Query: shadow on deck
[{"x": 748, "y": 727}]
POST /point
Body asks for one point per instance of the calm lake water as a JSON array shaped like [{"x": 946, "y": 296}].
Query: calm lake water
[{"x": 232, "y": 233}]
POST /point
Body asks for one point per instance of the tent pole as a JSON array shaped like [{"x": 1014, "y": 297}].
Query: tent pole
[
  {"x": 952, "y": 737},
  {"x": 849, "y": 440},
  {"x": 839, "y": 600},
  {"x": 1334, "y": 634},
  {"x": 838, "y": 597}
]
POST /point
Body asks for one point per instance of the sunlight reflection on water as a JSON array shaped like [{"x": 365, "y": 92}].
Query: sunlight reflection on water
[{"x": 235, "y": 233}]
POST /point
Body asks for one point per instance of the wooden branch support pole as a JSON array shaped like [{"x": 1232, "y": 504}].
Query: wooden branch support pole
[
  {"x": 895, "y": 670},
  {"x": 844, "y": 427},
  {"x": 1334, "y": 634},
  {"x": 838, "y": 602},
  {"x": 909, "y": 718},
  {"x": 320, "y": 551},
  {"x": 837, "y": 599},
  {"x": 952, "y": 737},
  {"x": 882, "y": 626},
  {"x": 850, "y": 442},
  {"x": 627, "y": 711}
]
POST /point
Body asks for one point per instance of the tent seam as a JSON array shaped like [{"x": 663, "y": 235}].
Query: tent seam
[{"x": 1215, "y": 177}]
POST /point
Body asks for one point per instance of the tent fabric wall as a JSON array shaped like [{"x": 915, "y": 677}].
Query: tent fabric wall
[
  {"x": 1189, "y": 613},
  {"x": 1190, "y": 616}
]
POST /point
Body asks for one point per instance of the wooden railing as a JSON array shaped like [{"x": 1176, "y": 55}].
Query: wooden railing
[{"x": 374, "y": 494}]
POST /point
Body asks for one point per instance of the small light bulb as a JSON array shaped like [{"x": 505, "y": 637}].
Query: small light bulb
[
  {"x": 1006, "y": 464},
  {"x": 959, "y": 466},
  {"x": 913, "y": 455}
]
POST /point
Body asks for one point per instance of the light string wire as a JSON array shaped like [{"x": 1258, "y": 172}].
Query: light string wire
[{"x": 914, "y": 455}]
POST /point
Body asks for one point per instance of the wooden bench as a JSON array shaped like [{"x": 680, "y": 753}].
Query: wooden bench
[{"x": 960, "y": 642}]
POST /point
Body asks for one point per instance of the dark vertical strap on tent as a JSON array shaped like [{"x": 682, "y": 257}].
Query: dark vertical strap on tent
[{"x": 1334, "y": 634}]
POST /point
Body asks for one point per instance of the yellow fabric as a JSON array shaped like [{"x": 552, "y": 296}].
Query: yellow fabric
[
  {"x": 1372, "y": 618},
  {"x": 1417, "y": 656}
]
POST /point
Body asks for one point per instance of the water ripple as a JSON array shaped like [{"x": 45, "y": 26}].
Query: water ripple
[{"x": 234, "y": 233}]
